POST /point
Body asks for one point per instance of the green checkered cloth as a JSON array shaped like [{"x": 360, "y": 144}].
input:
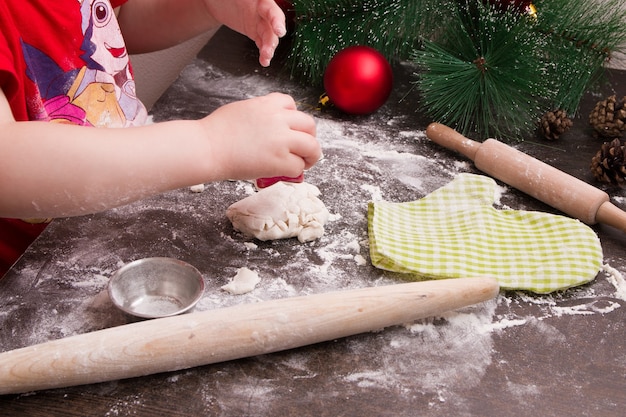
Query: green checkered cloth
[{"x": 456, "y": 232}]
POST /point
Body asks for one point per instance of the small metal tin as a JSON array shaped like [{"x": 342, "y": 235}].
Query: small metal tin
[{"x": 156, "y": 287}]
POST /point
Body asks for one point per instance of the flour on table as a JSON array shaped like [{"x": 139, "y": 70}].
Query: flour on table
[
  {"x": 250, "y": 245},
  {"x": 281, "y": 211},
  {"x": 198, "y": 188},
  {"x": 242, "y": 283},
  {"x": 442, "y": 358},
  {"x": 617, "y": 280}
]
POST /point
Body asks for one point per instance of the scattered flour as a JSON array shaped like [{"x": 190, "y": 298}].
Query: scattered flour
[
  {"x": 462, "y": 340},
  {"x": 617, "y": 279},
  {"x": 250, "y": 245},
  {"x": 360, "y": 260},
  {"x": 374, "y": 190},
  {"x": 457, "y": 339},
  {"x": 198, "y": 188}
]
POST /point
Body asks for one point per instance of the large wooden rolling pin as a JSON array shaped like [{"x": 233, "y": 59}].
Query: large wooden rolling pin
[
  {"x": 190, "y": 340},
  {"x": 562, "y": 191}
]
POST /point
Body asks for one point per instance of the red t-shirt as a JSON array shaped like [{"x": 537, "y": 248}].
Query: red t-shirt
[{"x": 63, "y": 61}]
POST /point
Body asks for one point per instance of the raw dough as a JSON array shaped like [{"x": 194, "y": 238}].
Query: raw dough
[
  {"x": 281, "y": 211},
  {"x": 243, "y": 282}
]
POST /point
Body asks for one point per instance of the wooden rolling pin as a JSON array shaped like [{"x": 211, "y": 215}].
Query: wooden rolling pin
[
  {"x": 190, "y": 340},
  {"x": 562, "y": 191}
]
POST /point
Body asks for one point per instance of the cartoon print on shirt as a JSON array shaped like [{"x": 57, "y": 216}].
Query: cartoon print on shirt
[{"x": 101, "y": 93}]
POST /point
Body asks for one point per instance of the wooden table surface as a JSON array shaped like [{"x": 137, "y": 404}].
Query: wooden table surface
[{"x": 561, "y": 354}]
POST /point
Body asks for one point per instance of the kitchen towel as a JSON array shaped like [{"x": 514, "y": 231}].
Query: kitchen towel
[{"x": 456, "y": 232}]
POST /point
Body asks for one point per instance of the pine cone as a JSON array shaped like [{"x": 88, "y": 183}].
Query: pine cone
[
  {"x": 608, "y": 118},
  {"x": 554, "y": 123},
  {"x": 609, "y": 164}
]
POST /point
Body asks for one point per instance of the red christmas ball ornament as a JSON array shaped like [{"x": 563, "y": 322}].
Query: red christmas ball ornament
[{"x": 358, "y": 80}]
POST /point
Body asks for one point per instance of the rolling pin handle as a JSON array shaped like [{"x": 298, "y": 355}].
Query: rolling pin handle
[
  {"x": 451, "y": 139},
  {"x": 546, "y": 183},
  {"x": 611, "y": 215}
]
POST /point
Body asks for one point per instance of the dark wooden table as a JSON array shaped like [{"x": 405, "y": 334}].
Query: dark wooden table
[{"x": 561, "y": 354}]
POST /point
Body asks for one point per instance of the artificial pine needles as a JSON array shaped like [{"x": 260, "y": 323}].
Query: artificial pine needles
[
  {"x": 393, "y": 27},
  {"x": 480, "y": 69},
  {"x": 482, "y": 74}
]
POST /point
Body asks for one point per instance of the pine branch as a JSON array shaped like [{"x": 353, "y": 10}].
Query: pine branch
[
  {"x": 393, "y": 27},
  {"x": 483, "y": 74},
  {"x": 481, "y": 69},
  {"x": 580, "y": 38},
  {"x": 527, "y": 66}
]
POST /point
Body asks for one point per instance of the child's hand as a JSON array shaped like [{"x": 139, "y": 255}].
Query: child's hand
[
  {"x": 263, "y": 21},
  {"x": 261, "y": 137}
]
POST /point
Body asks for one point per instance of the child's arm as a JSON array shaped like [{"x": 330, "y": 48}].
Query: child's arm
[
  {"x": 55, "y": 170},
  {"x": 150, "y": 25}
]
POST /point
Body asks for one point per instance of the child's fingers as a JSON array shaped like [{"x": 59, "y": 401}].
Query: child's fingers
[
  {"x": 305, "y": 147},
  {"x": 282, "y": 100},
  {"x": 270, "y": 12},
  {"x": 270, "y": 28},
  {"x": 302, "y": 122},
  {"x": 267, "y": 46}
]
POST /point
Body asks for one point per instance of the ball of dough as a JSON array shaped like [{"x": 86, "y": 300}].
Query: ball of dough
[{"x": 281, "y": 211}]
